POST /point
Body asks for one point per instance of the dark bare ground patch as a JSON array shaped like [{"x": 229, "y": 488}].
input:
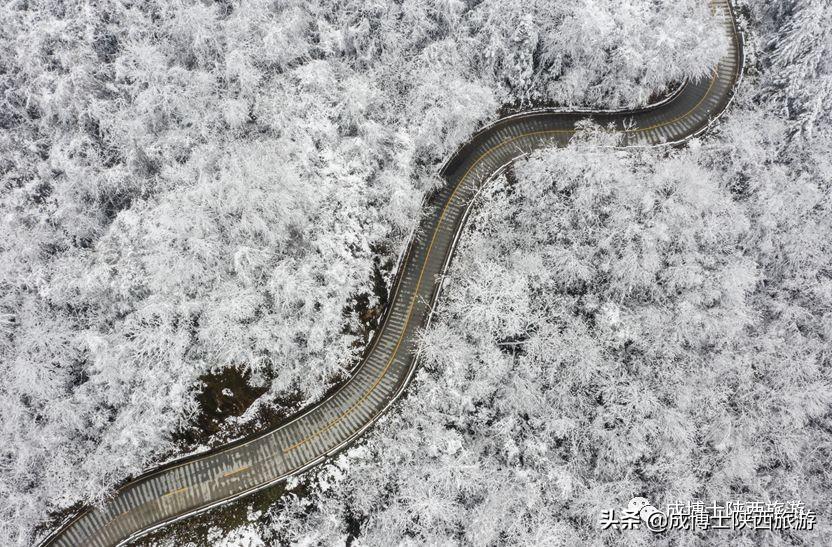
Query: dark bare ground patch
[
  {"x": 228, "y": 393},
  {"x": 212, "y": 427},
  {"x": 224, "y": 394}
]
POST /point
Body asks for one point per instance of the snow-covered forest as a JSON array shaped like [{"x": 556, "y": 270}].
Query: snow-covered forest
[
  {"x": 189, "y": 186},
  {"x": 618, "y": 323}
]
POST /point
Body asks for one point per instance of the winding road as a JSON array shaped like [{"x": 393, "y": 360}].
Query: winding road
[{"x": 197, "y": 483}]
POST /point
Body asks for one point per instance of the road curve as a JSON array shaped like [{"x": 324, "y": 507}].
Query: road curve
[{"x": 197, "y": 483}]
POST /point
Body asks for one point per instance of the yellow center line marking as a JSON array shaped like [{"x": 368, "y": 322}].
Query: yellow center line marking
[
  {"x": 173, "y": 492},
  {"x": 240, "y": 470},
  {"x": 410, "y": 310}
]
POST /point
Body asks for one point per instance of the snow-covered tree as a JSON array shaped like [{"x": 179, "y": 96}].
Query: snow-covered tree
[
  {"x": 616, "y": 324},
  {"x": 187, "y": 187}
]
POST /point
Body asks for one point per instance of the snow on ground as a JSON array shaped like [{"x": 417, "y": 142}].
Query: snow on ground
[
  {"x": 188, "y": 186},
  {"x": 616, "y": 324}
]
